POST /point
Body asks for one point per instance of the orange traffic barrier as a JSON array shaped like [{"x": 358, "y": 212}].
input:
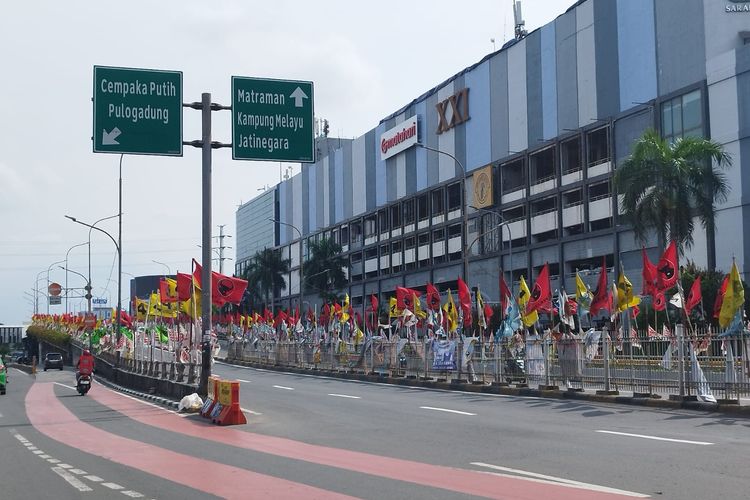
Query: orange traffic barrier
[
  {"x": 212, "y": 397},
  {"x": 229, "y": 398}
]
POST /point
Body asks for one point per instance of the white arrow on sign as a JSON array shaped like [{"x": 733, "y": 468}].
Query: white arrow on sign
[
  {"x": 109, "y": 138},
  {"x": 298, "y": 95}
]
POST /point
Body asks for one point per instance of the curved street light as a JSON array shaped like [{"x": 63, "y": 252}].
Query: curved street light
[
  {"x": 66, "y": 268},
  {"x": 301, "y": 256},
  {"x": 119, "y": 271},
  {"x": 48, "y": 270}
]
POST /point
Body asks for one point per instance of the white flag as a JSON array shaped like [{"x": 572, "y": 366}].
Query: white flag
[{"x": 676, "y": 300}]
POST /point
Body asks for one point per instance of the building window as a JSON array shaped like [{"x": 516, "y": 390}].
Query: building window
[
  {"x": 356, "y": 228},
  {"x": 383, "y": 220},
  {"x": 423, "y": 241},
  {"x": 682, "y": 117},
  {"x": 396, "y": 256},
  {"x": 454, "y": 242},
  {"x": 438, "y": 246},
  {"x": 598, "y": 146},
  {"x": 438, "y": 202},
  {"x": 371, "y": 227},
  {"x": 599, "y": 191},
  {"x": 454, "y": 197},
  {"x": 572, "y": 198},
  {"x": 385, "y": 260},
  {"x": 408, "y": 212},
  {"x": 423, "y": 207},
  {"x": 543, "y": 166},
  {"x": 396, "y": 216},
  {"x": 570, "y": 155},
  {"x": 410, "y": 258},
  {"x": 490, "y": 234},
  {"x": 513, "y": 176},
  {"x": 344, "y": 236}
]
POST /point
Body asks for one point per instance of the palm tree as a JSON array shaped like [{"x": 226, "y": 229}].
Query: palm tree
[
  {"x": 324, "y": 273},
  {"x": 266, "y": 273},
  {"x": 665, "y": 186}
]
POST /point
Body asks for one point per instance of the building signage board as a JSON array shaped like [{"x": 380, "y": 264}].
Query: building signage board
[
  {"x": 483, "y": 192},
  {"x": 272, "y": 120},
  {"x": 738, "y": 6},
  {"x": 399, "y": 138},
  {"x": 137, "y": 111},
  {"x": 99, "y": 301}
]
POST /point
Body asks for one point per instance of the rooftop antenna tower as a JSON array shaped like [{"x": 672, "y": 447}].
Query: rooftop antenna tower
[{"x": 520, "y": 23}]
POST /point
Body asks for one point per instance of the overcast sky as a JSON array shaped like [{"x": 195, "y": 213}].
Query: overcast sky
[{"x": 366, "y": 59}]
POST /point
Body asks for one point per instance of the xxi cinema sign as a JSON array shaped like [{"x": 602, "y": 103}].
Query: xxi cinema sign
[{"x": 453, "y": 111}]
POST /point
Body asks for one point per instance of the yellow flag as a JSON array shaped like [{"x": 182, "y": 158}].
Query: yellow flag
[
  {"x": 480, "y": 310},
  {"x": 734, "y": 297},
  {"x": 418, "y": 311},
  {"x": 141, "y": 309},
  {"x": 171, "y": 289},
  {"x": 451, "y": 314},
  {"x": 625, "y": 298},
  {"x": 345, "y": 309},
  {"x": 393, "y": 310},
  {"x": 523, "y": 298},
  {"x": 192, "y": 306}
]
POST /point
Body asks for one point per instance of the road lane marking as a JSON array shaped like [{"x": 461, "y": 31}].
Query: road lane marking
[
  {"x": 53, "y": 461},
  {"x": 345, "y": 396},
  {"x": 71, "y": 479},
  {"x": 94, "y": 479},
  {"x": 113, "y": 486},
  {"x": 657, "y": 438},
  {"x": 284, "y": 387},
  {"x": 78, "y": 472},
  {"x": 448, "y": 411},
  {"x": 65, "y": 466},
  {"x": 251, "y": 412},
  {"x": 20, "y": 371},
  {"x": 543, "y": 478},
  {"x": 37, "y": 452},
  {"x": 143, "y": 402},
  {"x": 243, "y": 381},
  {"x": 45, "y": 456},
  {"x": 67, "y": 386},
  {"x": 132, "y": 494}
]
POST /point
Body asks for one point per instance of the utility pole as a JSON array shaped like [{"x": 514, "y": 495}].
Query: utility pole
[{"x": 222, "y": 247}]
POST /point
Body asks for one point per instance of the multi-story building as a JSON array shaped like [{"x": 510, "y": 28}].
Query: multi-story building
[{"x": 519, "y": 151}]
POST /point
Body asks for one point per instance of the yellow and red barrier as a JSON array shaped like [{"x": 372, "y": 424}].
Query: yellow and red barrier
[{"x": 222, "y": 403}]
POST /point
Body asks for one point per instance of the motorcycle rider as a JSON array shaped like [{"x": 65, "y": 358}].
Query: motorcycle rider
[{"x": 85, "y": 365}]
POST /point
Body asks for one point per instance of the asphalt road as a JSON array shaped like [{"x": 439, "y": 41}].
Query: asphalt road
[{"x": 310, "y": 437}]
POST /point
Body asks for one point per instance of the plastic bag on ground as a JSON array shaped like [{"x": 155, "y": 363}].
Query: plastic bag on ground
[{"x": 191, "y": 403}]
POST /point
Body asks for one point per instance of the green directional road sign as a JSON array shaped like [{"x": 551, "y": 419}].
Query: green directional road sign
[
  {"x": 272, "y": 120},
  {"x": 137, "y": 111}
]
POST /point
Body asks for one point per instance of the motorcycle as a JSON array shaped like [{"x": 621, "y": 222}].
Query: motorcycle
[{"x": 84, "y": 384}]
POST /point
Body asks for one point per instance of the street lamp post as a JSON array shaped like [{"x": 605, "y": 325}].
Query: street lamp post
[
  {"x": 88, "y": 286},
  {"x": 119, "y": 273},
  {"x": 66, "y": 270},
  {"x": 91, "y": 227},
  {"x": 36, "y": 292},
  {"x": 464, "y": 210},
  {"x": 301, "y": 258},
  {"x": 169, "y": 269}
]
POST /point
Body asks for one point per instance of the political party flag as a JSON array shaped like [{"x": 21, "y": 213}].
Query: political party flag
[
  {"x": 720, "y": 296},
  {"x": 694, "y": 295},
  {"x": 541, "y": 295},
  {"x": 480, "y": 310},
  {"x": 433, "y": 297},
  {"x": 601, "y": 295},
  {"x": 659, "y": 301},
  {"x": 625, "y": 297},
  {"x": 404, "y": 297},
  {"x": 224, "y": 289},
  {"x": 512, "y": 321},
  {"x": 418, "y": 311},
  {"x": 168, "y": 290},
  {"x": 450, "y": 313},
  {"x": 393, "y": 310},
  {"x": 666, "y": 269},
  {"x": 505, "y": 293},
  {"x": 649, "y": 275},
  {"x": 464, "y": 299},
  {"x": 344, "y": 316},
  {"x": 676, "y": 300},
  {"x": 583, "y": 295},
  {"x": 523, "y": 299},
  {"x": 734, "y": 297},
  {"x": 184, "y": 286}
]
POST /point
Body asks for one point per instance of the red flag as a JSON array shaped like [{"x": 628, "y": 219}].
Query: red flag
[
  {"x": 666, "y": 269},
  {"x": 659, "y": 301},
  {"x": 184, "y": 284},
  {"x": 433, "y": 297},
  {"x": 310, "y": 315},
  {"x": 601, "y": 295},
  {"x": 649, "y": 275},
  {"x": 268, "y": 316},
  {"x": 720, "y": 296},
  {"x": 541, "y": 295},
  {"x": 164, "y": 292},
  {"x": 281, "y": 316},
  {"x": 464, "y": 299},
  {"x": 505, "y": 294},
  {"x": 374, "y": 303},
  {"x": 488, "y": 312},
  {"x": 325, "y": 315},
  {"x": 223, "y": 288},
  {"x": 635, "y": 311},
  {"x": 404, "y": 298},
  {"x": 694, "y": 295}
]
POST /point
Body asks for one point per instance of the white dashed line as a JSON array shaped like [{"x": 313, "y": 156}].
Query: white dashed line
[
  {"x": 78, "y": 472},
  {"x": 113, "y": 486},
  {"x": 448, "y": 411},
  {"x": 44, "y": 456},
  {"x": 71, "y": 479},
  {"x": 243, "y": 381},
  {"x": 65, "y": 466},
  {"x": 37, "y": 452},
  {"x": 53, "y": 461},
  {"x": 345, "y": 396},
  {"x": 132, "y": 494},
  {"x": 66, "y": 386},
  {"x": 543, "y": 478},
  {"x": 656, "y": 438},
  {"x": 251, "y": 412},
  {"x": 94, "y": 479},
  {"x": 284, "y": 387},
  {"x": 20, "y": 371}
]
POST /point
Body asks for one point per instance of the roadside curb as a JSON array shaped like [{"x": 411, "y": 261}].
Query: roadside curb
[
  {"x": 731, "y": 409},
  {"x": 172, "y": 405}
]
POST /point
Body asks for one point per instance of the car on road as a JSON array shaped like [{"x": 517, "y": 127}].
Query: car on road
[{"x": 53, "y": 360}]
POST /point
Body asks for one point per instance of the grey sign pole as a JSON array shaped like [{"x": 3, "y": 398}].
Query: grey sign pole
[{"x": 206, "y": 244}]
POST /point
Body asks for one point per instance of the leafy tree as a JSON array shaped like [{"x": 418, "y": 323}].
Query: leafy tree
[
  {"x": 324, "y": 272},
  {"x": 265, "y": 274},
  {"x": 665, "y": 186}
]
